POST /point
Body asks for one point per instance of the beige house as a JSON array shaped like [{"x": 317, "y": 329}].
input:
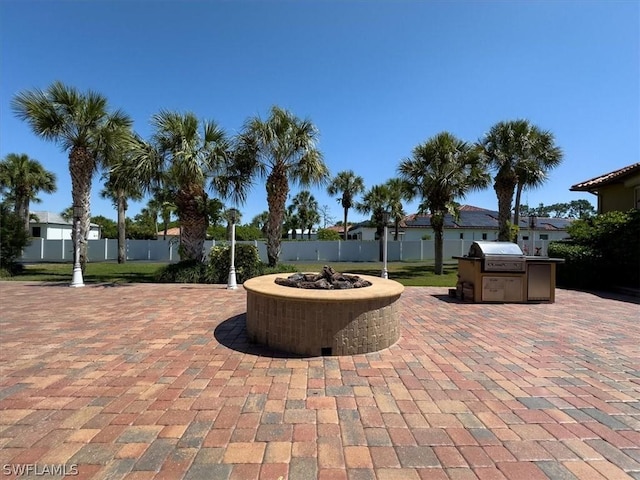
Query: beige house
[{"x": 618, "y": 190}]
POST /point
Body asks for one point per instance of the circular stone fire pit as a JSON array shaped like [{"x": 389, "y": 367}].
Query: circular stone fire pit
[{"x": 323, "y": 322}]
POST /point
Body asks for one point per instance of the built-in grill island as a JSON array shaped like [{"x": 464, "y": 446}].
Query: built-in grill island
[{"x": 500, "y": 272}]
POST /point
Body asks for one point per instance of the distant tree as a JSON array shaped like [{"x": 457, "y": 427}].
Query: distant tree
[
  {"x": 281, "y": 149},
  {"x": 67, "y": 214},
  {"x": 216, "y": 211},
  {"x": 306, "y": 207},
  {"x": 21, "y": 179},
  {"x": 108, "y": 228},
  {"x": 376, "y": 201},
  {"x": 326, "y": 234},
  {"x": 142, "y": 226},
  {"x": 441, "y": 170},
  {"x": 581, "y": 209},
  {"x": 81, "y": 124},
  {"x": 398, "y": 191},
  {"x": 162, "y": 202},
  {"x": 246, "y": 233},
  {"x": 291, "y": 222},
  {"x": 120, "y": 188},
  {"x": 573, "y": 209},
  {"x": 521, "y": 155},
  {"x": 325, "y": 215},
  {"x": 346, "y": 184},
  {"x": 13, "y": 239},
  {"x": 260, "y": 221}
]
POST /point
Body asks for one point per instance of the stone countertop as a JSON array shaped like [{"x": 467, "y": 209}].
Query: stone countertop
[
  {"x": 528, "y": 258},
  {"x": 380, "y": 288}
]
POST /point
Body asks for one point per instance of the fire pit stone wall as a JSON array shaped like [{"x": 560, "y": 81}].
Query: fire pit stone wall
[{"x": 323, "y": 322}]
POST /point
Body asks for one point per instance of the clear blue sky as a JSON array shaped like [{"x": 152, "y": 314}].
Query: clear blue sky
[{"x": 376, "y": 77}]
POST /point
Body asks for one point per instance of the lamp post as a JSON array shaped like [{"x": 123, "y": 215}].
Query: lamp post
[
  {"x": 231, "y": 283},
  {"x": 76, "y": 279},
  {"x": 385, "y": 219},
  {"x": 533, "y": 220}
]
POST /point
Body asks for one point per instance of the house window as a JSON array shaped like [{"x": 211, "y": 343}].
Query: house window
[
  {"x": 484, "y": 236},
  {"x": 544, "y": 236},
  {"x": 35, "y": 232},
  {"x": 462, "y": 236},
  {"x": 525, "y": 237}
]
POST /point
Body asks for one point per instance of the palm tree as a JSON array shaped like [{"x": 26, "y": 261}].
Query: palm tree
[
  {"x": 307, "y": 207},
  {"x": 397, "y": 191},
  {"x": 534, "y": 172},
  {"x": 185, "y": 157},
  {"x": 350, "y": 185},
  {"x": 521, "y": 154},
  {"x": 21, "y": 179},
  {"x": 119, "y": 189},
  {"x": 82, "y": 125},
  {"x": 161, "y": 202},
  {"x": 291, "y": 221},
  {"x": 260, "y": 221},
  {"x": 440, "y": 170},
  {"x": 280, "y": 149},
  {"x": 376, "y": 201}
]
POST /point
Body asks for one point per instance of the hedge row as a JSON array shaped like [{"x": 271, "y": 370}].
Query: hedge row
[
  {"x": 216, "y": 270},
  {"x": 604, "y": 252}
]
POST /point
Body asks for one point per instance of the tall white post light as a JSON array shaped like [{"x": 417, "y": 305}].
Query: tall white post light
[
  {"x": 231, "y": 283},
  {"x": 385, "y": 219},
  {"x": 76, "y": 279}
]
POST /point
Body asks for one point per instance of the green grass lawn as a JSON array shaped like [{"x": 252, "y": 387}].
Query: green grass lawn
[
  {"x": 407, "y": 273},
  {"x": 99, "y": 272}
]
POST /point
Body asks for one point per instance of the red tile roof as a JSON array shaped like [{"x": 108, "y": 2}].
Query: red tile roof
[{"x": 606, "y": 179}]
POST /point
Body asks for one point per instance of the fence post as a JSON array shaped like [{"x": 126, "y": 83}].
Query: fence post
[{"x": 41, "y": 248}]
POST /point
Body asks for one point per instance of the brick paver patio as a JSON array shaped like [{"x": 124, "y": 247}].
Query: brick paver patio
[{"x": 158, "y": 382}]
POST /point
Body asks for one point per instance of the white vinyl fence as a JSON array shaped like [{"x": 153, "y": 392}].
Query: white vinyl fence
[{"x": 42, "y": 250}]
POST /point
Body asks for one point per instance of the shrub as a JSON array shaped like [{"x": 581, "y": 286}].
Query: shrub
[
  {"x": 577, "y": 271},
  {"x": 279, "y": 268},
  {"x": 185, "y": 271},
  {"x": 326, "y": 234},
  {"x": 603, "y": 251},
  {"x": 13, "y": 238},
  {"x": 247, "y": 263}
]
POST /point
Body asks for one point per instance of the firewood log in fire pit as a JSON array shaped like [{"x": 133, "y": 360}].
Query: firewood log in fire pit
[{"x": 328, "y": 279}]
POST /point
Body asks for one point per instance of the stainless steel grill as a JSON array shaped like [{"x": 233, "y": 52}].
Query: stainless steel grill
[{"x": 499, "y": 256}]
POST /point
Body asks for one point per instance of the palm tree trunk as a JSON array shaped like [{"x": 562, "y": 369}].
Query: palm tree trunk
[
  {"x": 22, "y": 210},
  {"x": 504, "y": 188},
  {"x": 191, "y": 202},
  {"x": 344, "y": 226},
  {"x": 516, "y": 210},
  {"x": 277, "y": 191},
  {"x": 81, "y": 167},
  {"x": 122, "y": 239},
  {"x": 165, "y": 222},
  {"x": 437, "y": 222}
]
